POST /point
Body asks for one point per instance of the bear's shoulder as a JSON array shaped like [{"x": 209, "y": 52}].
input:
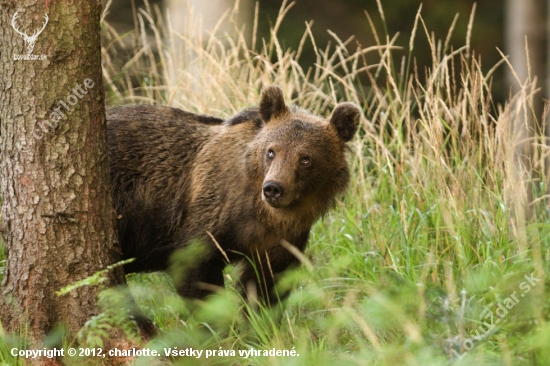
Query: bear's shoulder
[
  {"x": 252, "y": 115},
  {"x": 248, "y": 115},
  {"x": 154, "y": 114}
]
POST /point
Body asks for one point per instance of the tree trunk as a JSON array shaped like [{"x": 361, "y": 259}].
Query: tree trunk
[
  {"x": 56, "y": 202},
  {"x": 525, "y": 45},
  {"x": 525, "y": 21}
]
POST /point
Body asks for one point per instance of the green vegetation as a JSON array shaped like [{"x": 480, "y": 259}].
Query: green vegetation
[{"x": 424, "y": 258}]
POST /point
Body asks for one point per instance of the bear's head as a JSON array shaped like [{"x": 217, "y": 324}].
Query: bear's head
[{"x": 299, "y": 157}]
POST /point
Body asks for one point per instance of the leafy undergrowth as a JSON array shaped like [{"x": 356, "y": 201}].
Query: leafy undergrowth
[{"x": 438, "y": 252}]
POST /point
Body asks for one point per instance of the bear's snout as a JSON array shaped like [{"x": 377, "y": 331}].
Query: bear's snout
[{"x": 273, "y": 191}]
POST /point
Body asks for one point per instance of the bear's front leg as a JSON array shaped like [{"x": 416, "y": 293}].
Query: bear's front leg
[
  {"x": 197, "y": 273},
  {"x": 263, "y": 269}
]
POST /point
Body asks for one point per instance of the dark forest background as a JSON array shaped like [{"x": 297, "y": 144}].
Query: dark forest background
[{"x": 348, "y": 19}]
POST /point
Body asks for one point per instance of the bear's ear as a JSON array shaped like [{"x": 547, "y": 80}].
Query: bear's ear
[
  {"x": 272, "y": 103},
  {"x": 345, "y": 119}
]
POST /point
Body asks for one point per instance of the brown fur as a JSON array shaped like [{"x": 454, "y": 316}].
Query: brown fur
[{"x": 178, "y": 176}]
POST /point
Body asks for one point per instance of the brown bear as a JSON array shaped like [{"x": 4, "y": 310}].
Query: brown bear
[{"x": 241, "y": 187}]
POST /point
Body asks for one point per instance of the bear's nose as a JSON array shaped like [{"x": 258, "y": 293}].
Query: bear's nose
[{"x": 273, "y": 190}]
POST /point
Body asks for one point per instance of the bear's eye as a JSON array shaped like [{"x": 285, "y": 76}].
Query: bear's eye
[
  {"x": 270, "y": 154},
  {"x": 305, "y": 161}
]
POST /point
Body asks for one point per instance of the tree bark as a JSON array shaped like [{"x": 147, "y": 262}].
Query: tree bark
[
  {"x": 525, "y": 44},
  {"x": 525, "y": 21},
  {"x": 56, "y": 201}
]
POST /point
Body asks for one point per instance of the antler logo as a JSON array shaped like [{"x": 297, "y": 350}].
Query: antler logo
[{"x": 29, "y": 40}]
